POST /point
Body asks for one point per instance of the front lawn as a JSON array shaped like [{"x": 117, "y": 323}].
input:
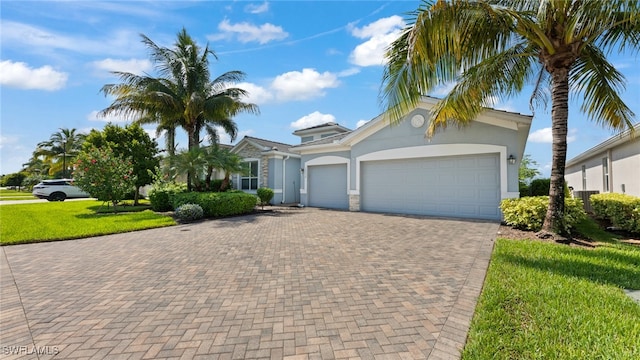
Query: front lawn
[
  {"x": 543, "y": 300},
  {"x": 6, "y": 194},
  {"x": 25, "y": 223}
]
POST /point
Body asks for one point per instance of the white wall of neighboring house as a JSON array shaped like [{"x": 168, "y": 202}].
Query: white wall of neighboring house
[{"x": 622, "y": 154}]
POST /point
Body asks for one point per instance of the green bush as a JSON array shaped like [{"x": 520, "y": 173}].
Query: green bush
[
  {"x": 527, "y": 213},
  {"x": 216, "y": 184},
  {"x": 161, "y": 192},
  {"x": 189, "y": 212},
  {"x": 265, "y": 195},
  {"x": 539, "y": 187},
  {"x": 623, "y": 211},
  {"x": 217, "y": 204}
]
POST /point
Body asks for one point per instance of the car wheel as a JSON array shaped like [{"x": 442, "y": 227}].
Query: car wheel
[{"x": 57, "y": 196}]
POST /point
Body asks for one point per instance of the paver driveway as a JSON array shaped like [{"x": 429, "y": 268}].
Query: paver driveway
[{"x": 294, "y": 283}]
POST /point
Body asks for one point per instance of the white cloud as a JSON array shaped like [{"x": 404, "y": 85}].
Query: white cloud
[
  {"x": 545, "y": 135},
  {"x": 349, "y": 72},
  {"x": 20, "y": 75},
  {"x": 313, "y": 119},
  {"x": 134, "y": 66},
  {"x": 8, "y": 140},
  {"x": 257, "y": 8},
  {"x": 42, "y": 41},
  {"x": 361, "y": 122},
  {"x": 380, "y": 35},
  {"x": 93, "y": 116},
  {"x": 246, "y": 32},
  {"x": 257, "y": 94},
  {"x": 443, "y": 89},
  {"x": 309, "y": 83}
]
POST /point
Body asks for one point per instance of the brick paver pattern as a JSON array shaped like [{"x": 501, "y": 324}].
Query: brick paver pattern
[{"x": 288, "y": 284}]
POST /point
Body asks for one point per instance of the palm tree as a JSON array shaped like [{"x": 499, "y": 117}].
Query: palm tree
[
  {"x": 230, "y": 163},
  {"x": 183, "y": 95},
  {"x": 194, "y": 162},
  {"x": 493, "y": 48},
  {"x": 60, "y": 150}
]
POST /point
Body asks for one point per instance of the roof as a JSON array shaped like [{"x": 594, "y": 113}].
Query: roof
[
  {"x": 611, "y": 142},
  {"x": 326, "y": 140},
  {"x": 265, "y": 144},
  {"x": 322, "y": 127}
]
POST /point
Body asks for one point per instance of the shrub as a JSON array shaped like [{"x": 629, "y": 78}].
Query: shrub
[
  {"x": 265, "y": 195},
  {"x": 217, "y": 204},
  {"x": 161, "y": 192},
  {"x": 623, "y": 211},
  {"x": 189, "y": 212},
  {"x": 540, "y": 187},
  {"x": 527, "y": 213},
  {"x": 216, "y": 184},
  {"x": 104, "y": 175}
]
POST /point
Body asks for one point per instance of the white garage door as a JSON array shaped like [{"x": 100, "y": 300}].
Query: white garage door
[
  {"x": 327, "y": 186},
  {"x": 452, "y": 186}
]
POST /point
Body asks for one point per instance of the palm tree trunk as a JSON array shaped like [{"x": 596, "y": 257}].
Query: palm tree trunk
[{"x": 554, "y": 219}]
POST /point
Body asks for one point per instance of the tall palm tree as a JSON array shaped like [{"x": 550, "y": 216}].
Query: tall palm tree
[
  {"x": 183, "y": 95},
  {"x": 60, "y": 150},
  {"x": 493, "y": 48}
]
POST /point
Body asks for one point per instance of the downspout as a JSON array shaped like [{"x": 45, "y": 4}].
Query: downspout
[{"x": 284, "y": 179}]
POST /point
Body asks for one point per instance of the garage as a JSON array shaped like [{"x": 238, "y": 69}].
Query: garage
[
  {"x": 328, "y": 186},
  {"x": 453, "y": 186}
]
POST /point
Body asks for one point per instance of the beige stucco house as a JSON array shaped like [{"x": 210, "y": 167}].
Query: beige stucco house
[{"x": 612, "y": 166}]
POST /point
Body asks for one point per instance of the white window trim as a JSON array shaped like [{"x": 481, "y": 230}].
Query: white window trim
[{"x": 239, "y": 177}]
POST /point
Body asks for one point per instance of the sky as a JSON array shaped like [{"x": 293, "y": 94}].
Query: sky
[{"x": 306, "y": 63}]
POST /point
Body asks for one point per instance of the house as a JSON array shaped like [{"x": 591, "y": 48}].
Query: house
[
  {"x": 387, "y": 168},
  {"x": 269, "y": 164},
  {"x": 611, "y": 166}
]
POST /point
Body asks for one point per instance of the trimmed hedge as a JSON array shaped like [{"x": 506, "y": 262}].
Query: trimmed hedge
[
  {"x": 161, "y": 193},
  {"x": 623, "y": 211},
  {"x": 218, "y": 204},
  {"x": 527, "y": 213}
]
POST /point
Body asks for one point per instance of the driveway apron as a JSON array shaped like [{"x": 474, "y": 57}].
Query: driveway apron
[{"x": 288, "y": 284}]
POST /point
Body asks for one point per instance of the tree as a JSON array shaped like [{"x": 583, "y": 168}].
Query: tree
[
  {"x": 60, "y": 150},
  {"x": 493, "y": 48},
  {"x": 230, "y": 163},
  {"x": 527, "y": 171},
  {"x": 130, "y": 142},
  {"x": 105, "y": 175},
  {"x": 183, "y": 95},
  {"x": 194, "y": 162},
  {"x": 14, "y": 179}
]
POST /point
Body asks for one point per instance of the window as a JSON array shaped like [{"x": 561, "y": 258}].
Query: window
[
  {"x": 327, "y": 135},
  {"x": 584, "y": 177},
  {"x": 605, "y": 174},
  {"x": 249, "y": 180},
  {"x": 306, "y": 139}
]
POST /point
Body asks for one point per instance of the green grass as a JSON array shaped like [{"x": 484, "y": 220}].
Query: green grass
[
  {"x": 6, "y": 194},
  {"x": 543, "y": 300},
  {"x": 25, "y": 223}
]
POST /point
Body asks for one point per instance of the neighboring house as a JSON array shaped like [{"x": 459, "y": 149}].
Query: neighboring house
[
  {"x": 269, "y": 164},
  {"x": 611, "y": 166},
  {"x": 387, "y": 168}
]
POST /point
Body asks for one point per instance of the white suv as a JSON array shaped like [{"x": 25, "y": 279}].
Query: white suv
[{"x": 58, "y": 190}]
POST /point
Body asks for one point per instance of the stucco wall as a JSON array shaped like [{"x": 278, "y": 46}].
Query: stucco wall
[{"x": 624, "y": 168}]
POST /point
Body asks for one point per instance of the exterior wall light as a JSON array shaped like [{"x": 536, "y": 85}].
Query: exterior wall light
[{"x": 512, "y": 159}]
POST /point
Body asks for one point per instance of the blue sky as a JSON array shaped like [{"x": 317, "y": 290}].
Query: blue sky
[{"x": 307, "y": 62}]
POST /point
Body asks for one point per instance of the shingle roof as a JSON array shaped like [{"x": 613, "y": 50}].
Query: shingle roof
[{"x": 269, "y": 144}]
